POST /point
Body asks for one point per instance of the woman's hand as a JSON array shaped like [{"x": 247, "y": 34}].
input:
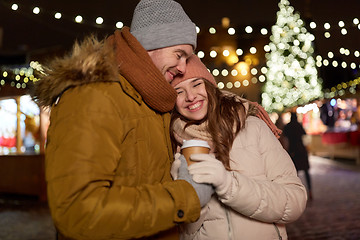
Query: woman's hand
[{"x": 208, "y": 169}]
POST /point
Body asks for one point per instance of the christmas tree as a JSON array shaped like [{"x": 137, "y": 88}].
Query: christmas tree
[{"x": 292, "y": 77}]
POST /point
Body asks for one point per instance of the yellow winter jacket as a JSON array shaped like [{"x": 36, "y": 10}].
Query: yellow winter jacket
[{"x": 108, "y": 158}]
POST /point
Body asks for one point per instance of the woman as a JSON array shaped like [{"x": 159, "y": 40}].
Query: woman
[{"x": 256, "y": 184}]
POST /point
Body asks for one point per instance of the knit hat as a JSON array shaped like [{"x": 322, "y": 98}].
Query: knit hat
[
  {"x": 162, "y": 23},
  {"x": 194, "y": 69}
]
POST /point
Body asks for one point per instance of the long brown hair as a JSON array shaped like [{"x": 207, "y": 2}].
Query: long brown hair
[{"x": 226, "y": 116}]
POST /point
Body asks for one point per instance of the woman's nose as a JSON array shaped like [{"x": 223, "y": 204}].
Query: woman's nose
[{"x": 190, "y": 96}]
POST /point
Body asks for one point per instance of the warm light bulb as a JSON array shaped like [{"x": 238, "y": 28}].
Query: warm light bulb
[
  {"x": 341, "y": 24},
  {"x": 197, "y": 29},
  {"x": 239, "y": 52},
  {"x": 14, "y": 7},
  {"x": 226, "y": 52},
  {"x": 248, "y": 29},
  {"x": 213, "y": 54},
  {"x": 78, "y": 19},
  {"x": 212, "y": 30},
  {"x": 57, "y": 15},
  {"x": 253, "y": 50},
  {"x": 119, "y": 25},
  {"x": 264, "y": 31},
  {"x": 201, "y": 54},
  {"x": 36, "y": 10},
  {"x": 231, "y": 31},
  {"x": 229, "y": 85},
  {"x": 99, "y": 20},
  {"x": 215, "y": 72}
]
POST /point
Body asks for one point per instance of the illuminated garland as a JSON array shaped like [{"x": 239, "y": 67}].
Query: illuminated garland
[
  {"x": 101, "y": 22},
  {"x": 342, "y": 88},
  {"x": 20, "y": 78}
]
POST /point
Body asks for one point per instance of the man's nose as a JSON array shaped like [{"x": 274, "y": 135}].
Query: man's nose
[{"x": 181, "y": 67}]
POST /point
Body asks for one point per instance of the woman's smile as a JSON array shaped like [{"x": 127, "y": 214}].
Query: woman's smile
[{"x": 196, "y": 106}]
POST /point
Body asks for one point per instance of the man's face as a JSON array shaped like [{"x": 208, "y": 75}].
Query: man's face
[{"x": 171, "y": 60}]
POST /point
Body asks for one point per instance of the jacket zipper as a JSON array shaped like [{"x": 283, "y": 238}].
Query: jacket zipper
[
  {"x": 278, "y": 232},
  {"x": 230, "y": 233}
]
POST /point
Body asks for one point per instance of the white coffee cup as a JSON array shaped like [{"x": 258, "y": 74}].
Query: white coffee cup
[{"x": 194, "y": 146}]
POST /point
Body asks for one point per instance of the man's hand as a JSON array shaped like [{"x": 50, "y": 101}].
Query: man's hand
[
  {"x": 203, "y": 190},
  {"x": 175, "y": 166}
]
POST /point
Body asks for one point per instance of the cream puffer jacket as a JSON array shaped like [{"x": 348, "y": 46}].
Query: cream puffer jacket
[{"x": 263, "y": 195}]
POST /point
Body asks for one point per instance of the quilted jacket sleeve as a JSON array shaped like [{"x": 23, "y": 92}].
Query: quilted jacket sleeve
[{"x": 277, "y": 195}]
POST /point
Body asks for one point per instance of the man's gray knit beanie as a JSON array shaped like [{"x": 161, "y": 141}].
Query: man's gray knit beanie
[{"x": 162, "y": 23}]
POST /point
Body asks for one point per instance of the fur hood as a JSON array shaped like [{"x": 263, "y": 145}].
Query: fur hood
[{"x": 89, "y": 61}]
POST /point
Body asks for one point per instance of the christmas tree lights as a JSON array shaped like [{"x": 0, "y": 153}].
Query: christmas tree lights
[{"x": 292, "y": 77}]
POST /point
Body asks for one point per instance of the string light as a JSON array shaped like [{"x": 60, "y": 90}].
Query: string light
[
  {"x": 327, "y": 26},
  {"x": 18, "y": 77},
  {"x": 341, "y": 24},
  {"x": 248, "y": 29},
  {"x": 215, "y": 72},
  {"x": 197, "y": 30},
  {"x": 253, "y": 50},
  {"x": 99, "y": 20},
  {"x": 201, "y": 54},
  {"x": 239, "y": 52},
  {"x": 231, "y": 31},
  {"x": 226, "y": 53},
  {"x": 212, "y": 30},
  {"x": 57, "y": 15},
  {"x": 78, "y": 19},
  {"x": 264, "y": 31},
  {"x": 36, "y": 10},
  {"x": 14, "y": 7},
  {"x": 119, "y": 25}
]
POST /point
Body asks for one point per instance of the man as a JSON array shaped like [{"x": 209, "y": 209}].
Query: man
[{"x": 108, "y": 153}]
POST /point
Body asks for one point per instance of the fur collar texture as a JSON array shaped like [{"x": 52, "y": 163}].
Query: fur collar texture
[
  {"x": 88, "y": 62},
  {"x": 101, "y": 61}
]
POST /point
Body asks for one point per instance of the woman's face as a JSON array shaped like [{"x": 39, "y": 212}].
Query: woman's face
[{"x": 192, "y": 99}]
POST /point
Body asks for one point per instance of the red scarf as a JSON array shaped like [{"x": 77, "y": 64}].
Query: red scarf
[{"x": 137, "y": 67}]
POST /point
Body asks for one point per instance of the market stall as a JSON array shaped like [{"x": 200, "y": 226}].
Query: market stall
[
  {"x": 332, "y": 126},
  {"x": 22, "y": 138}
]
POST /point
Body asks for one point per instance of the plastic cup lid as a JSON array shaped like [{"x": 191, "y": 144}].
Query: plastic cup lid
[{"x": 195, "y": 143}]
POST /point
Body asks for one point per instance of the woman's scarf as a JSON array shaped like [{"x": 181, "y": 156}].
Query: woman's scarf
[{"x": 136, "y": 66}]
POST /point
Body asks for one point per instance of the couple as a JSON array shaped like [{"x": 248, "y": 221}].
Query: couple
[{"x": 109, "y": 156}]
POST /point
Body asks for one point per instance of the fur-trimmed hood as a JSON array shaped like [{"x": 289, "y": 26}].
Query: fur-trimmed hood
[
  {"x": 94, "y": 61},
  {"x": 89, "y": 61}
]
